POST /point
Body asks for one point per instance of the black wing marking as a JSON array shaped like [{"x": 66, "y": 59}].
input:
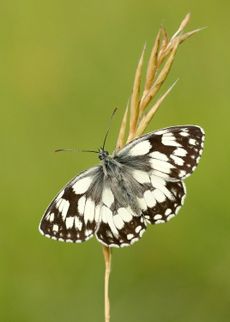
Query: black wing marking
[{"x": 74, "y": 213}]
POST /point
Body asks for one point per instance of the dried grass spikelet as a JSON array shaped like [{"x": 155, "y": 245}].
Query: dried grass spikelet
[{"x": 160, "y": 62}]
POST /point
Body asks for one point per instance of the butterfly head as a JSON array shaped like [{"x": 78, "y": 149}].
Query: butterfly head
[{"x": 102, "y": 154}]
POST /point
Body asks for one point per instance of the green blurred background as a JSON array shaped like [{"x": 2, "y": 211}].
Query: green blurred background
[{"x": 64, "y": 66}]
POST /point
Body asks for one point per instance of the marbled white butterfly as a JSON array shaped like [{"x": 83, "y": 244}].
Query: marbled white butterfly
[{"x": 138, "y": 185}]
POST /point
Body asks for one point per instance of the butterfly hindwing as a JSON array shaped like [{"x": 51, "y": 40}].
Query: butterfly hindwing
[
  {"x": 120, "y": 226},
  {"x": 163, "y": 201}
]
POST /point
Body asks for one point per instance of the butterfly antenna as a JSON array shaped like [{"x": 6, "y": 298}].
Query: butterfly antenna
[
  {"x": 107, "y": 132},
  {"x": 93, "y": 151},
  {"x": 74, "y": 150},
  {"x": 63, "y": 150}
]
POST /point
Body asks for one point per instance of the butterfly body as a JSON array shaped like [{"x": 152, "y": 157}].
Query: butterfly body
[{"x": 139, "y": 185}]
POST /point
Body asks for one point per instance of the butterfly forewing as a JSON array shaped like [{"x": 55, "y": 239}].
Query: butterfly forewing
[
  {"x": 73, "y": 215},
  {"x": 172, "y": 153}
]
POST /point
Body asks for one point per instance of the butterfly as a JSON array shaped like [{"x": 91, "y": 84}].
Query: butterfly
[{"x": 138, "y": 185}]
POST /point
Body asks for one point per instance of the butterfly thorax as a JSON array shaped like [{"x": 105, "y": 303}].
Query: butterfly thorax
[{"x": 118, "y": 178}]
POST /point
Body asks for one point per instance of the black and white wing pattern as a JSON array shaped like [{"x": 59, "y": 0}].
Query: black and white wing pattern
[
  {"x": 140, "y": 184},
  {"x": 73, "y": 214}
]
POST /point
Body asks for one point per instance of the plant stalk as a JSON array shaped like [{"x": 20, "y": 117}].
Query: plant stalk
[{"x": 107, "y": 257}]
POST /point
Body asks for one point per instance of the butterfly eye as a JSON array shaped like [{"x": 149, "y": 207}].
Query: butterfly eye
[{"x": 102, "y": 154}]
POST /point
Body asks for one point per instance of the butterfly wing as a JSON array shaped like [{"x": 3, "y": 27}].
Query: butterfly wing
[
  {"x": 171, "y": 153},
  {"x": 74, "y": 213}
]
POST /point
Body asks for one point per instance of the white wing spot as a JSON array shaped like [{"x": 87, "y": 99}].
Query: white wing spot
[
  {"x": 156, "y": 217},
  {"x": 130, "y": 236},
  {"x": 69, "y": 240},
  {"x": 109, "y": 234},
  {"x": 168, "y": 211},
  {"x": 97, "y": 213},
  {"x": 107, "y": 197},
  {"x": 162, "y": 132},
  {"x": 134, "y": 240},
  {"x": 119, "y": 223},
  {"x": 170, "y": 217},
  {"x": 138, "y": 229},
  {"x": 157, "y": 182},
  {"x": 78, "y": 224},
  {"x": 149, "y": 198},
  {"x": 107, "y": 217},
  {"x": 177, "y": 210},
  {"x": 141, "y": 176},
  {"x": 89, "y": 210},
  {"x": 160, "y": 174},
  {"x": 159, "y": 196},
  {"x": 177, "y": 160},
  {"x": 180, "y": 152},
  {"x": 124, "y": 245},
  {"x": 63, "y": 207},
  {"x": 192, "y": 141},
  {"x": 69, "y": 222},
  {"x": 169, "y": 140},
  {"x": 159, "y": 222},
  {"x": 82, "y": 185},
  {"x": 142, "y": 232},
  {"x": 125, "y": 214},
  {"x": 88, "y": 232},
  {"x": 140, "y": 148},
  {"x": 142, "y": 203},
  {"x": 81, "y": 205},
  {"x": 162, "y": 166},
  {"x": 55, "y": 228},
  {"x": 182, "y": 173},
  {"x": 182, "y": 200},
  {"x": 184, "y": 133},
  {"x": 169, "y": 135},
  {"x": 159, "y": 156},
  {"x": 51, "y": 219}
]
